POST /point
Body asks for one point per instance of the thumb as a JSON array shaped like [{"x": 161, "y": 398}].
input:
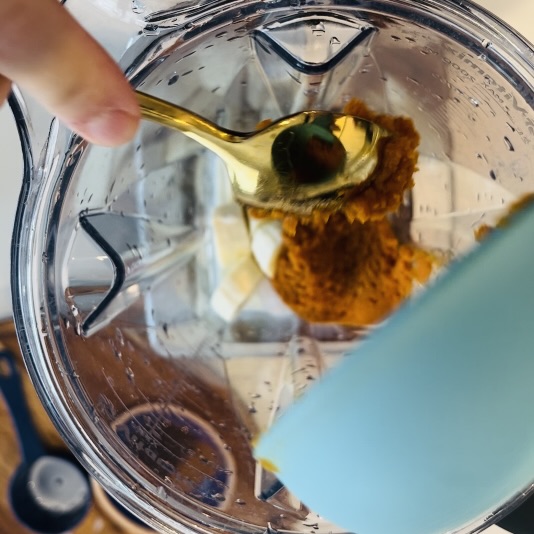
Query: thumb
[{"x": 45, "y": 52}]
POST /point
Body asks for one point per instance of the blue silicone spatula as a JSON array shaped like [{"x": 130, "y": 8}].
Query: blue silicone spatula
[{"x": 429, "y": 424}]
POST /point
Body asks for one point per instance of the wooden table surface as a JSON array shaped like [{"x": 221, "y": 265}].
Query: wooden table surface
[{"x": 96, "y": 521}]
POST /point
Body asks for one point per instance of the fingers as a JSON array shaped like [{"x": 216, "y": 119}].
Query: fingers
[
  {"x": 5, "y": 88},
  {"x": 45, "y": 52}
]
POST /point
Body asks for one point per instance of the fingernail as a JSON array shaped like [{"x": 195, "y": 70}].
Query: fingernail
[{"x": 110, "y": 128}]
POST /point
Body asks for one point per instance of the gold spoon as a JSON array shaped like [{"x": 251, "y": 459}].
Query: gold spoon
[{"x": 294, "y": 164}]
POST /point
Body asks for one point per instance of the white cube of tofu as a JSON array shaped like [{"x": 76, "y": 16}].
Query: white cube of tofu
[
  {"x": 266, "y": 244},
  {"x": 230, "y": 234},
  {"x": 235, "y": 288}
]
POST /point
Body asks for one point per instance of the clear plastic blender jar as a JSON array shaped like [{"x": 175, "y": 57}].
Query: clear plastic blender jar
[{"x": 115, "y": 252}]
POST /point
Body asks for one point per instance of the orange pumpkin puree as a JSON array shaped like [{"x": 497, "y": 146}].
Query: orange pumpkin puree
[{"x": 347, "y": 265}]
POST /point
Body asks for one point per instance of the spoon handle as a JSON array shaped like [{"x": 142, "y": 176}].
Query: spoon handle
[
  {"x": 189, "y": 123},
  {"x": 11, "y": 388}
]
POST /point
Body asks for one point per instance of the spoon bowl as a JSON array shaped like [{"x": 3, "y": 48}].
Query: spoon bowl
[{"x": 297, "y": 163}]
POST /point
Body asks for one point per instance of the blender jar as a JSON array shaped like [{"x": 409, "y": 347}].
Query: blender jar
[{"x": 115, "y": 257}]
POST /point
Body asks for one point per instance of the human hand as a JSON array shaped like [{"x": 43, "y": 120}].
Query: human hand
[{"x": 46, "y": 53}]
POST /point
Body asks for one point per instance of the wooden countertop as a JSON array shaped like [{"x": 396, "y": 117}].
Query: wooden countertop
[{"x": 96, "y": 522}]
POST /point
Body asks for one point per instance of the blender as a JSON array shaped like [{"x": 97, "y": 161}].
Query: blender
[{"x": 115, "y": 261}]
